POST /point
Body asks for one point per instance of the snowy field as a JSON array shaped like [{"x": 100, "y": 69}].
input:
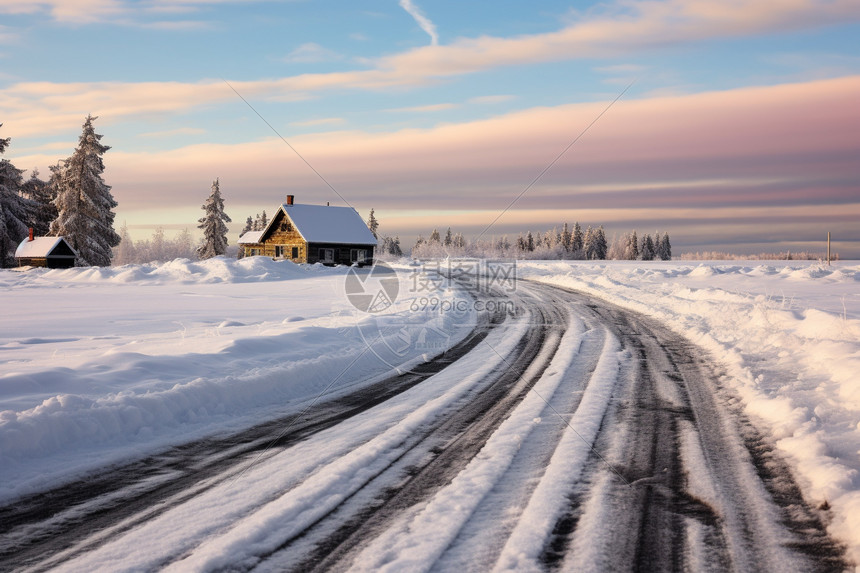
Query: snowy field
[{"x": 99, "y": 365}]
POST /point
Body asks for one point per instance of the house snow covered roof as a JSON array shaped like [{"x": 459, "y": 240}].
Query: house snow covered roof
[
  {"x": 250, "y": 237},
  {"x": 38, "y": 247},
  {"x": 325, "y": 224}
]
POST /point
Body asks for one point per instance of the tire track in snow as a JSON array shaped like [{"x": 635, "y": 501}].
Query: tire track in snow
[
  {"x": 692, "y": 496},
  {"x": 447, "y": 445},
  {"x": 78, "y": 516},
  {"x": 654, "y": 411},
  {"x": 692, "y": 484}
]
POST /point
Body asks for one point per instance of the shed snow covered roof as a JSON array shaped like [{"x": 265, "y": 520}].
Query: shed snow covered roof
[
  {"x": 250, "y": 237},
  {"x": 324, "y": 224},
  {"x": 39, "y": 247}
]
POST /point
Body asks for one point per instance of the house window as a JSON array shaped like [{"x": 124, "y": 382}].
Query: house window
[
  {"x": 358, "y": 255},
  {"x": 295, "y": 253},
  {"x": 279, "y": 251},
  {"x": 286, "y": 227},
  {"x": 255, "y": 252},
  {"x": 326, "y": 255}
]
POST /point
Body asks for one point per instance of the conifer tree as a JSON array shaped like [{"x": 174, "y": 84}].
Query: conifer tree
[
  {"x": 646, "y": 248},
  {"x": 521, "y": 242},
  {"x": 373, "y": 224},
  {"x": 16, "y": 212},
  {"x": 577, "y": 241},
  {"x": 213, "y": 224},
  {"x": 634, "y": 247},
  {"x": 84, "y": 202},
  {"x": 600, "y": 245},
  {"x": 434, "y": 236},
  {"x": 41, "y": 194},
  {"x": 449, "y": 239},
  {"x": 530, "y": 242},
  {"x": 665, "y": 248},
  {"x": 565, "y": 238},
  {"x": 249, "y": 225},
  {"x": 588, "y": 243}
]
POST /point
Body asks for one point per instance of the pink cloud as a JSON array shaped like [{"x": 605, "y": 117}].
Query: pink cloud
[
  {"x": 756, "y": 154},
  {"x": 797, "y": 132}
]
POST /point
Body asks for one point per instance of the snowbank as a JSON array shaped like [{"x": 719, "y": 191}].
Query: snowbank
[
  {"x": 789, "y": 337},
  {"x": 101, "y": 364}
]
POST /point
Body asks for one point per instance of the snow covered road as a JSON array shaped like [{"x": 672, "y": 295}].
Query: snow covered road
[{"x": 572, "y": 435}]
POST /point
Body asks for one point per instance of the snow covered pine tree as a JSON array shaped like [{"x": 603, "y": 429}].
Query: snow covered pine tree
[
  {"x": 42, "y": 193},
  {"x": 213, "y": 224},
  {"x": 84, "y": 202},
  {"x": 15, "y": 211},
  {"x": 373, "y": 224}
]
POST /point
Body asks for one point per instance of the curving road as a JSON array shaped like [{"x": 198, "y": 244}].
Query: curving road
[{"x": 569, "y": 435}]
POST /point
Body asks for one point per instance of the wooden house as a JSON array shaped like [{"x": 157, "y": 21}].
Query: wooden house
[
  {"x": 50, "y": 252},
  {"x": 312, "y": 234}
]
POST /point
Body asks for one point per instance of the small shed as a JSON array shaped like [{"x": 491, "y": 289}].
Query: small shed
[
  {"x": 50, "y": 252},
  {"x": 313, "y": 234}
]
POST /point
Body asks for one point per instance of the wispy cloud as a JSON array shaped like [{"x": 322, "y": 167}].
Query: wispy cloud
[
  {"x": 321, "y": 121},
  {"x": 120, "y": 12},
  {"x": 68, "y": 11},
  {"x": 48, "y": 107},
  {"x": 422, "y": 20},
  {"x": 174, "y": 132},
  {"x": 776, "y": 145},
  {"x": 784, "y": 154},
  {"x": 310, "y": 53},
  {"x": 425, "y": 108}
]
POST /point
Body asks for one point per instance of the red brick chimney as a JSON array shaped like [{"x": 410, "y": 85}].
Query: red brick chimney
[
  {"x": 31, "y": 234},
  {"x": 289, "y": 199}
]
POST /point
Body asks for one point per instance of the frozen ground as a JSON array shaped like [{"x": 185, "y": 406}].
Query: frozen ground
[
  {"x": 789, "y": 336},
  {"x": 97, "y": 365}
]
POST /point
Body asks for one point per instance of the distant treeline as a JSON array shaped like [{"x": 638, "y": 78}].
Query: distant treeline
[
  {"x": 558, "y": 243},
  {"x": 784, "y": 256}
]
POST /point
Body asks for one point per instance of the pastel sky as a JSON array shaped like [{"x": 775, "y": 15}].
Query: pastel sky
[{"x": 740, "y": 131}]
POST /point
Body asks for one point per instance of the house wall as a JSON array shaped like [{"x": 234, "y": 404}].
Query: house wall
[
  {"x": 49, "y": 262},
  {"x": 341, "y": 253},
  {"x": 283, "y": 234},
  {"x": 33, "y": 262}
]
